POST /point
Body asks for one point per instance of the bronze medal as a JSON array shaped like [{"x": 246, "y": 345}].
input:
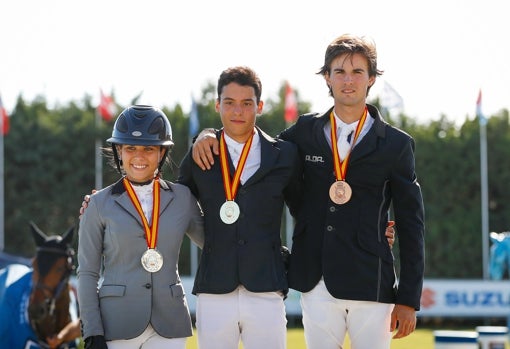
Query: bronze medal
[
  {"x": 340, "y": 192},
  {"x": 152, "y": 260},
  {"x": 229, "y": 212}
]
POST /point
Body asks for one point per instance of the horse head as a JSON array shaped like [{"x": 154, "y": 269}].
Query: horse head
[
  {"x": 53, "y": 264},
  {"x": 500, "y": 255}
]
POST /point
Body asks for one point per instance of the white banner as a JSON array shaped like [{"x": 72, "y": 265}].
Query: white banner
[{"x": 468, "y": 298}]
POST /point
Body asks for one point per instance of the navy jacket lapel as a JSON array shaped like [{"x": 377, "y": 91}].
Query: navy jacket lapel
[
  {"x": 321, "y": 136},
  {"x": 369, "y": 142},
  {"x": 268, "y": 156}
]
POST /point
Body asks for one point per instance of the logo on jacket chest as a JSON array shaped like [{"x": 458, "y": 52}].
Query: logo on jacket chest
[{"x": 314, "y": 158}]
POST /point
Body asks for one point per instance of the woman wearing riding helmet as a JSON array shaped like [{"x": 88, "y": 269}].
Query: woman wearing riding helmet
[{"x": 129, "y": 290}]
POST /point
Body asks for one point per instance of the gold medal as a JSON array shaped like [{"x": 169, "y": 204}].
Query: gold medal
[
  {"x": 229, "y": 212},
  {"x": 152, "y": 260},
  {"x": 340, "y": 192}
]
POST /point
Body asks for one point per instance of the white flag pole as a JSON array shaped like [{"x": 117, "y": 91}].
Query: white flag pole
[
  {"x": 483, "y": 186},
  {"x": 99, "y": 160},
  {"x": 485, "y": 198}
]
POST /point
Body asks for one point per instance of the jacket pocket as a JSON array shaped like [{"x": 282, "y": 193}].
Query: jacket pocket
[
  {"x": 177, "y": 290},
  {"x": 112, "y": 291}
]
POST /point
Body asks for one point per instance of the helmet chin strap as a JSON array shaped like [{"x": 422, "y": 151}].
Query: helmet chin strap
[
  {"x": 141, "y": 183},
  {"x": 162, "y": 161}
]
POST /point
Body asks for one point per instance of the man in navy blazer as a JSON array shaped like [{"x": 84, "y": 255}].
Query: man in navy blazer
[
  {"x": 340, "y": 260},
  {"x": 241, "y": 279}
]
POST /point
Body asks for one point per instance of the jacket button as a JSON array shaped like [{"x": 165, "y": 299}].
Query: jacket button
[
  {"x": 241, "y": 242},
  {"x": 329, "y": 228},
  {"x": 147, "y": 286},
  {"x": 332, "y": 209}
]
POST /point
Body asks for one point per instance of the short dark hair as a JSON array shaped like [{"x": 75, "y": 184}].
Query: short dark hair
[{"x": 242, "y": 75}]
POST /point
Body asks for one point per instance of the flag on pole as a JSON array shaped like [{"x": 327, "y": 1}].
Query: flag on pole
[
  {"x": 479, "y": 114},
  {"x": 4, "y": 118},
  {"x": 107, "y": 107},
  {"x": 291, "y": 107},
  {"x": 194, "y": 124},
  {"x": 391, "y": 99}
]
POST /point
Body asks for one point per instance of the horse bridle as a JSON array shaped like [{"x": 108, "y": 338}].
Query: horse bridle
[{"x": 40, "y": 314}]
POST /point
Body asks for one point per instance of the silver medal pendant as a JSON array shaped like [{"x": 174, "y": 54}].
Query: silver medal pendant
[
  {"x": 152, "y": 260},
  {"x": 229, "y": 212}
]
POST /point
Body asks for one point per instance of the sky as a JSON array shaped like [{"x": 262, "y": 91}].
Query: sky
[{"x": 435, "y": 54}]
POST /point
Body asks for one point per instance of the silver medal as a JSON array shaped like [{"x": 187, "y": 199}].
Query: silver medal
[
  {"x": 229, "y": 212},
  {"x": 152, "y": 260}
]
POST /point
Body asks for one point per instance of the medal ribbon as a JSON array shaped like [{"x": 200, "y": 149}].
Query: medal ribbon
[
  {"x": 151, "y": 233},
  {"x": 231, "y": 188},
  {"x": 341, "y": 166}
]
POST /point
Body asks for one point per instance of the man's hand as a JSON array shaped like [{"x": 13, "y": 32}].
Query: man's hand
[
  {"x": 403, "y": 319},
  {"x": 390, "y": 233},
  {"x": 202, "y": 153},
  {"x": 85, "y": 202}
]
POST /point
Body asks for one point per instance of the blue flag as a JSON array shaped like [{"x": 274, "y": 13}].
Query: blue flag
[{"x": 194, "y": 124}]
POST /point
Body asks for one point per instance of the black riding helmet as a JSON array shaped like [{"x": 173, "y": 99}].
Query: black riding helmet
[{"x": 141, "y": 125}]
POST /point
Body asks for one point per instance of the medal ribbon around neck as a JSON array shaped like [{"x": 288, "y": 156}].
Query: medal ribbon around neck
[
  {"x": 231, "y": 187},
  {"x": 151, "y": 233},
  {"x": 341, "y": 166}
]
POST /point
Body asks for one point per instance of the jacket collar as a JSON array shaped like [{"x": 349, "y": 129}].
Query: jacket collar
[
  {"x": 269, "y": 153},
  {"x": 118, "y": 187},
  {"x": 125, "y": 202},
  {"x": 369, "y": 141}
]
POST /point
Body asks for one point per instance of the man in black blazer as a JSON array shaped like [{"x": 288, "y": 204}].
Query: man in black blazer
[
  {"x": 241, "y": 279},
  {"x": 340, "y": 261}
]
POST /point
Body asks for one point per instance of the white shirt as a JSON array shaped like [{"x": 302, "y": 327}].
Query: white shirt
[
  {"x": 252, "y": 162},
  {"x": 369, "y": 121},
  {"x": 144, "y": 195}
]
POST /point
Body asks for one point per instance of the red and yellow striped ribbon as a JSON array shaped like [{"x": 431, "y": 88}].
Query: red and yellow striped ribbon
[
  {"x": 231, "y": 188},
  {"x": 151, "y": 233},
  {"x": 341, "y": 166}
]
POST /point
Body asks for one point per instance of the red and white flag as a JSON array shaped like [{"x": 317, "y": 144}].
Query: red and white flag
[
  {"x": 4, "y": 118},
  {"x": 481, "y": 117},
  {"x": 291, "y": 106},
  {"x": 107, "y": 107}
]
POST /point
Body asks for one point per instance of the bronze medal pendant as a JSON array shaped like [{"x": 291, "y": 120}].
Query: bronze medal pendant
[
  {"x": 229, "y": 212},
  {"x": 340, "y": 192},
  {"x": 152, "y": 260}
]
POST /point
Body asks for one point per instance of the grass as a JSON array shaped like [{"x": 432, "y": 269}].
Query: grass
[{"x": 420, "y": 339}]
